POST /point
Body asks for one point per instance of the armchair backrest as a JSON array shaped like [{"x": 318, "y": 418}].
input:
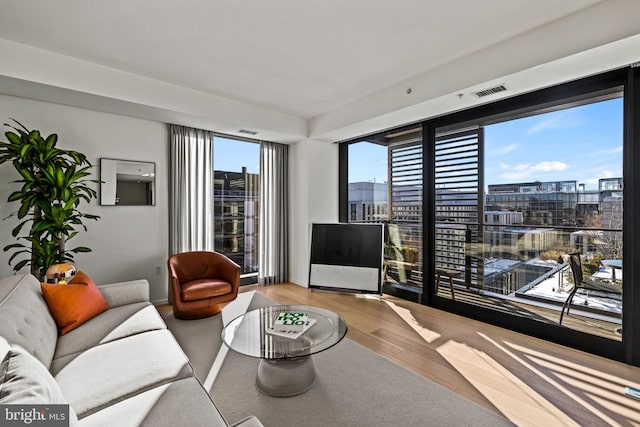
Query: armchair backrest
[{"x": 195, "y": 265}]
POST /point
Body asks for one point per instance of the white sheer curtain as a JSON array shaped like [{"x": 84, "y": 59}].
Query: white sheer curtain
[
  {"x": 274, "y": 213},
  {"x": 190, "y": 189}
]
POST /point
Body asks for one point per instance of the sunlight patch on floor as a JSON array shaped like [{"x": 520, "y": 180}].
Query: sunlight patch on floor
[
  {"x": 564, "y": 390},
  {"x": 369, "y": 296},
  {"x": 590, "y": 372},
  {"x": 606, "y": 389},
  {"x": 628, "y": 408},
  {"x": 518, "y": 402},
  {"x": 237, "y": 307},
  {"x": 405, "y": 314},
  {"x": 232, "y": 310},
  {"x": 581, "y": 376},
  {"x": 510, "y": 395},
  {"x": 615, "y": 401}
]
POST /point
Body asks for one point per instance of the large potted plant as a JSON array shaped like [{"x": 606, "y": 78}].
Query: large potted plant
[{"x": 53, "y": 186}]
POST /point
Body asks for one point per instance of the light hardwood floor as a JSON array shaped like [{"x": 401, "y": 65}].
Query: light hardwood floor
[{"x": 530, "y": 381}]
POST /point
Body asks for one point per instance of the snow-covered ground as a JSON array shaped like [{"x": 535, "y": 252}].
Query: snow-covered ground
[{"x": 556, "y": 288}]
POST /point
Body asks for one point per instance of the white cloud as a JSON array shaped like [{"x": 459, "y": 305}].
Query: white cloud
[
  {"x": 526, "y": 170},
  {"x": 608, "y": 152},
  {"x": 550, "y": 166},
  {"x": 591, "y": 175},
  {"x": 551, "y": 122},
  {"x": 503, "y": 149},
  {"x": 559, "y": 120},
  {"x": 594, "y": 180}
]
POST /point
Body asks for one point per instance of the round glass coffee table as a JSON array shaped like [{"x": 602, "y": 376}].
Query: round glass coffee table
[{"x": 286, "y": 368}]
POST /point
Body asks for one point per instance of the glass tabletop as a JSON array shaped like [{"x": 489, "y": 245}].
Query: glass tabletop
[{"x": 247, "y": 334}]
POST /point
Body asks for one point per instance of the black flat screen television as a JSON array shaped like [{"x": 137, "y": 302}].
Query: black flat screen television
[{"x": 343, "y": 252}]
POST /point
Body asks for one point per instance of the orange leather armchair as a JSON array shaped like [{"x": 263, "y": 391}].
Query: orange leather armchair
[{"x": 202, "y": 283}]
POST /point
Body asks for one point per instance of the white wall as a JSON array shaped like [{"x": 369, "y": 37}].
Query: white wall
[
  {"x": 314, "y": 198},
  {"x": 128, "y": 242}
]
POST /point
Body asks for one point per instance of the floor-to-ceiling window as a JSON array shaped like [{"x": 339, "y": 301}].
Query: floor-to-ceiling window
[
  {"x": 385, "y": 186},
  {"x": 508, "y": 191},
  {"x": 551, "y": 185},
  {"x": 236, "y": 197}
]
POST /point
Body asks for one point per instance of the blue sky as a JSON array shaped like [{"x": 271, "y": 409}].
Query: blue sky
[
  {"x": 231, "y": 155},
  {"x": 367, "y": 162},
  {"x": 581, "y": 143}
]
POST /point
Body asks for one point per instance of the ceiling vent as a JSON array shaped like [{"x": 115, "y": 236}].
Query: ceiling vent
[
  {"x": 248, "y": 132},
  {"x": 490, "y": 91}
]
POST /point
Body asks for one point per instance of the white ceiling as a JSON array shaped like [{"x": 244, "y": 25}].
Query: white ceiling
[{"x": 291, "y": 69}]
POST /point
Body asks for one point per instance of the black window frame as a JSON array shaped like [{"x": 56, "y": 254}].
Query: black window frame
[{"x": 559, "y": 96}]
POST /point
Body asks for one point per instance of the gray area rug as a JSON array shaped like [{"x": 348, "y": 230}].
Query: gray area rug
[{"x": 355, "y": 386}]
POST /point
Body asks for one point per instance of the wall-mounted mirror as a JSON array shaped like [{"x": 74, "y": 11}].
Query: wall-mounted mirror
[{"x": 127, "y": 183}]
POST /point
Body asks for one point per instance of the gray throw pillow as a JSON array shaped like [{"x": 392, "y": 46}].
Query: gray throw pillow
[{"x": 25, "y": 380}]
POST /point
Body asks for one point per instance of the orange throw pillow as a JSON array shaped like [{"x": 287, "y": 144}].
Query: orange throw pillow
[{"x": 73, "y": 304}]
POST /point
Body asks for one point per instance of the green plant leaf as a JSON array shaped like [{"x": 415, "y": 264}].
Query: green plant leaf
[
  {"x": 80, "y": 249},
  {"x": 26, "y": 174},
  {"x": 53, "y": 188},
  {"x": 16, "y": 230},
  {"x": 13, "y": 138},
  {"x": 13, "y": 246},
  {"x": 51, "y": 141},
  {"x": 21, "y": 265},
  {"x": 16, "y": 195},
  {"x": 25, "y": 150},
  {"x": 23, "y": 211},
  {"x": 15, "y": 254},
  {"x": 60, "y": 178},
  {"x": 66, "y": 193}
]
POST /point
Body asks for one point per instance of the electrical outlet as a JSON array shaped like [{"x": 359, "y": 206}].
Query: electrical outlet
[{"x": 158, "y": 270}]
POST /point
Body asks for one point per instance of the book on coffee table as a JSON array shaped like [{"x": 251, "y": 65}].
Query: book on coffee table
[
  {"x": 276, "y": 329},
  {"x": 290, "y": 321}
]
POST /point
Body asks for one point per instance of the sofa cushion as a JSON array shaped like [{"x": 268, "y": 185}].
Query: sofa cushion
[
  {"x": 4, "y": 347},
  {"x": 24, "y": 379},
  {"x": 123, "y": 293},
  {"x": 24, "y": 317},
  {"x": 115, "y": 323},
  {"x": 73, "y": 304},
  {"x": 110, "y": 372},
  {"x": 180, "y": 403}
]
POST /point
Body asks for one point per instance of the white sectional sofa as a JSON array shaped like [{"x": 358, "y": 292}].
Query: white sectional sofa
[{"x": 120, "y": 368}]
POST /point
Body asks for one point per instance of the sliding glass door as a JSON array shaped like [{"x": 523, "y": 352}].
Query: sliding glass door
[
  {"x": 516, "y": 195},
  {"x": 458, "y": 211},
  {"x": 385, "y": 186},
  {"x": 519, "y": 213}
]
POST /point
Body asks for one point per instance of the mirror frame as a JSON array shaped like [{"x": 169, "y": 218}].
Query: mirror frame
[{"x": 109, "y": 171}]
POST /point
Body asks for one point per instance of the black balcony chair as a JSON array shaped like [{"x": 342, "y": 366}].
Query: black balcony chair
[{"x": 587, "y": 285}]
